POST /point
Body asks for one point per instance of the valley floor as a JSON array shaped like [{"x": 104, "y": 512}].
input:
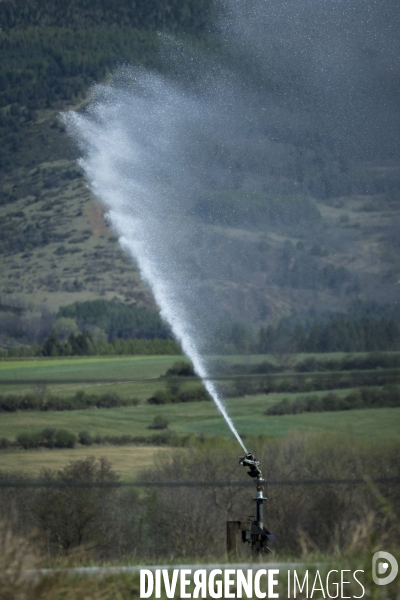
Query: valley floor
[{"x": 378, "y": 425}]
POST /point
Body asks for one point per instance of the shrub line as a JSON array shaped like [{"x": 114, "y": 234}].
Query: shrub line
[{"x": 388, "y": 397}]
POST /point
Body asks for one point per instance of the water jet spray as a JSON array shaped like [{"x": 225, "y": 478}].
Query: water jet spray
[{"x": 131, "y": 149}]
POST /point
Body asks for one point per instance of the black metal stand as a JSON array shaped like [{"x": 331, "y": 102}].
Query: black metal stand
[{"x": 252, "y": 531}]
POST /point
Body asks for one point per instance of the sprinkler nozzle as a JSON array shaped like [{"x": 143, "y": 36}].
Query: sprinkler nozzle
[{"x": 252, "y": 463}]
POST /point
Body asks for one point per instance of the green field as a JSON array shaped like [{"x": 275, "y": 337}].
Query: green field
[
  {"x": 204, "y": 418},
  {"x": 200, "y": 418},
  {"x": 80, "y": 369},
  {"x": 86, "y": 367}
]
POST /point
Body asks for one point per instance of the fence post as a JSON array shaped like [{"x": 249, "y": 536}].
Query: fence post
[{"x": 231, "y": 539}]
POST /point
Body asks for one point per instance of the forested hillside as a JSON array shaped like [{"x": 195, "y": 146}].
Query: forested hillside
[
  {"x": 56, "y": 247},
  {"x": 183, "y": 15}
]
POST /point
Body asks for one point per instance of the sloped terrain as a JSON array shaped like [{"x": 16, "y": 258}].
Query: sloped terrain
[
  {"x": 57, "y": 248},
  {"x": 327, "y": 235}
]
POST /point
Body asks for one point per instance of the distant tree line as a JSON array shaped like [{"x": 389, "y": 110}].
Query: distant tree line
[
  {"x": 83, "y": 344},
  {"x": 295, "y": 384},
  {"x": 112, "y": 328},
  {"x": 312, "y": 364},
  {"x": 363, "y": 328},
  {"x": 338, "y": 334},
  {"x": 85, "y": 328},
  {"x": 105, "y": 320},
  {"x": 42, "y": 401},
  {"x": 117, "y": 320},
  {"x": 64, "y": 439},
  {"x": 164, "y": 438},
  {"x": 388, "y": 397},
  {"x": 173, "y": 394},
  {"x": 25, "y": 326},
  {"x": 374, "y": 360}
]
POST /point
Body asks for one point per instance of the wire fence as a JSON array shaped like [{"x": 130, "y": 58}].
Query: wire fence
[{"x": 191, "y": 484}]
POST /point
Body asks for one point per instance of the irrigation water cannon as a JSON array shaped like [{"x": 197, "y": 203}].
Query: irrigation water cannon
[
  {"x": 252, "y": 531},
  {"x": 252, "y": 463}
]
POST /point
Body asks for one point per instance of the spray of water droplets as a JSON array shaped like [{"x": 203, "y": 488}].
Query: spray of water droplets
[{"x": 137, "y": 141}]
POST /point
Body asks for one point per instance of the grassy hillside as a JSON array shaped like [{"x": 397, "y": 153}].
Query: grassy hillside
[
  {"x": 57, "y": 249},
  {"x": 55, "y": 245}
]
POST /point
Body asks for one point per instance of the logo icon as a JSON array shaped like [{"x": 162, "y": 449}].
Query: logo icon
[{"x": 380, "y": 566}]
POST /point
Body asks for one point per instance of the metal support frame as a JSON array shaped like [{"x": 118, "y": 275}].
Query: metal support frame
[{"x": 252, "y": 531}]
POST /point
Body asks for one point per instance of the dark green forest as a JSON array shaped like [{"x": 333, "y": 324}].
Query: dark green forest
[
  {"x": 53, "y": 67},
  {"x": 110, "y": 328},
  {"x": 96, "y": 327},
  {"x": 141, "y": 14},
  {"x": 53, "y": 52},
  {"x": 116, "y": 320},
  {"x": 338, "y": 334},
  {"x": 364, "y": 327}
]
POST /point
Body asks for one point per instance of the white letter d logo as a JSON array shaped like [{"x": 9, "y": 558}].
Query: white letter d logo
[{"x": 383, "y": 568}]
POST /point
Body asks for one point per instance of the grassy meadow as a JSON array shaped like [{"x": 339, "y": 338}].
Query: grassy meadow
[
  {"x": 84, "y": 368},
  {"x": 199, "y": 418},
  {"x": 204, "y": 418},
  {"x": 127, "y": 461}
]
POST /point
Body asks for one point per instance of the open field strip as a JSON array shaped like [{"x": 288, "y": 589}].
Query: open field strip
[
  {"x": 88, "y": 368},
  {"x": 127, "y": 461},
  {"x": 134, "y": 420},
  {"x": 204, "y": 418},
  {"x": 378, "y": 425},
  {"x": 80, "y": 373}
]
